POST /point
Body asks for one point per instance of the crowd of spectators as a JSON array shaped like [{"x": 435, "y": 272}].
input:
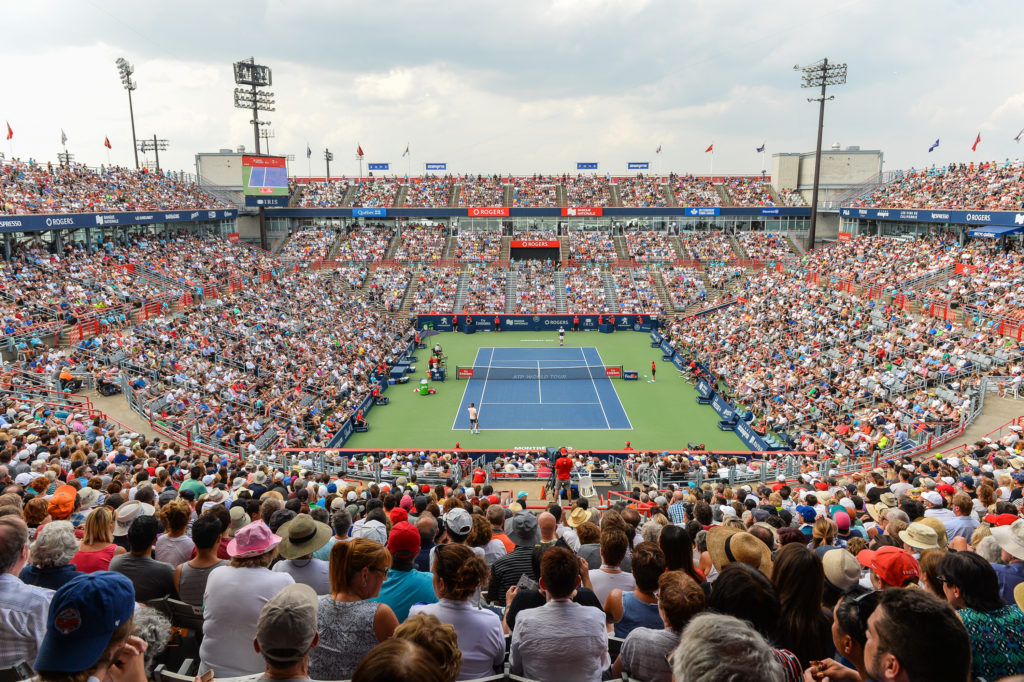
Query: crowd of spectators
[
  {"x": 365, "y": 243},
  {"x": 646, "y": 246},
  {"x": 708, "y": 246},
  {"x": 387, "y": 287},
  {"x": 791, "y": 197},
  {"x": 308, "y": 245},
  {"x": 749, "y": 191},
  {"x": 587, "y": 190},
  {"x": 988, "y": 186},
  {"x": 766, "y": 246},
  {"x": 642, "y": 192},
  {"x": 635, "y": 291},
  {"x": 539, "y": 191},
  {"x": 685, "y": 286},
  {"x": 482, "y": 190},
  {"x": 535, "y": 286},
  {"x": 485, "y": 290},
  {"x": 376, "y": 192},
  {"x": 478, "y": 245},
  {"x": 586, "y": 246},
  {"x": 694, "y": 191},
  {"x": 29, "y": 187},
  {"x": 421, "y": 242},
  {"x": 324, "y": 194},
  {"x": 585, "y": 290},
  {"x": 430, "y": 192},
  {"x": 435, "y": 290}
]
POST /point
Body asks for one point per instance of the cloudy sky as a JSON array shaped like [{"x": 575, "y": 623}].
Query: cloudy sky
[{"x": 518, "y": 87}]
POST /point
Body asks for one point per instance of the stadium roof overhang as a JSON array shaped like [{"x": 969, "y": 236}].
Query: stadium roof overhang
[{"x": 996, "y": 231}]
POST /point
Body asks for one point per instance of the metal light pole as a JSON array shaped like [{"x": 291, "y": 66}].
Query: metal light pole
[
  {"x": 328, "y": 157},
  {"x": 820, "y": 74},
  {"x": 156, "y": 146},
  {"x": 248, "y": 72},
  {"x": 267, "y": 134},
  {"x": 126, "y": 70}
]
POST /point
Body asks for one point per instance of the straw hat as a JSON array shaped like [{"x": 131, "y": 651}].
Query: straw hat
[
  {"x": 301, "y": 536},
  {"x": 938, "y": 526},
  {"x": 577, "y": 517},
  {"x": 920, "y": 536},
  {"x": 728, "y": 545}
]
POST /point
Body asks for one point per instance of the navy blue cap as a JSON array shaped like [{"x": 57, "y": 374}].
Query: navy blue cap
[
  {"x": 968, "y": 480},
  {"x": 84, "y": 613}
]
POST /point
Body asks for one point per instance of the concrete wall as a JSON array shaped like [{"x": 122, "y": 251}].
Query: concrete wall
[
  {"x": 221, "y": 169},
  {"x": 841, "y": 170}
]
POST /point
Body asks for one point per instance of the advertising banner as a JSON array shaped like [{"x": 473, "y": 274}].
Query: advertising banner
[
  {"x": 534, "y": 244},
  {"x": 378, "y": 166},
  {"x": 704, "y": 388},
  {"x": 254, "y": 201},
  {"x": 844, "y": 236},
  {"x": 436, "y": 166},
  {"x": 638, "y": 165},
  {"x": 37, "y": 223},
  {"x": 233, "y": 237},
  {"x": 940, "y": 216},
  {"x": 586, "y": 165},
  {"x": 583, "y": 211},
  {"x": 369, "y": 212},
  {"x": 692, "y": 211},
  {"x": 443, "y": 323},
  {"x": 489, "y": 212},
  {"x": 613, "y": 372},
  {"x": 465, "y": 372}
]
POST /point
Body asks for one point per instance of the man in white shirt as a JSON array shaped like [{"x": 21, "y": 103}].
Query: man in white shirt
[
  {"x": 543, "y": 635},
  {"x": 23, "y": 608},
  {"x": 610, "y": 576}
]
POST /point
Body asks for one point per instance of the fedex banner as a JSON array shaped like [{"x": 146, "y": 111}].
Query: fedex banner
[
  {"x": 940, "y": 216},
  {"x": 535, "y": 244},
  {"x": 586, "y": 165},
  {"x": 436, "y": 166},
  {"x": 489, "y": 212},
  {"x": 38, "y": 223},
  {"x": 583, "y": 211},
  {"x": 638, "y": 165}
]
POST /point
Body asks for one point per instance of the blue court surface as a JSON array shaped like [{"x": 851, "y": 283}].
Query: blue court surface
[
  {"x": 540, "y": 402},
  {"x": 268, "y": 176}
]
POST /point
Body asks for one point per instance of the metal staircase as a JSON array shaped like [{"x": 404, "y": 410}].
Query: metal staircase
[
  {"x": 609, "y": 291},
  {"x": 460, "y": 291},
  {"x": 511, "y": 286},
  {"x": 621, "y": 250},
  {"x": 659, "y": 286},
  {"x": 560, "y": 303}
]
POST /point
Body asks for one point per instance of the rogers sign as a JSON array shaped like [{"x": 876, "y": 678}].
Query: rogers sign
[
  {"x": 534, "y": 244},
  {"x": 584, "y": 211},
  {"x": 493, "y": 212}
]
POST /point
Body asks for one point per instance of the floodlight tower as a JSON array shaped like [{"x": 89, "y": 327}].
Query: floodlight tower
[
  {"x": 126, "y": 70},
  {"x": 267, "y": 134},
  {"x": 256, "y": 76},
  {"x": 820, "y": 74},
  {"x": 156, "y": 146}
]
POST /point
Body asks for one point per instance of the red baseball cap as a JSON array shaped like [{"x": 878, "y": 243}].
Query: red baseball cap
[
  {"x": 398, "y": 515},
  {"x": 404, "y": 541},
  {"x": 1001, "y": 519},
  {"x": 892, "y": 564},
  {"x": 946, "y": 488}
]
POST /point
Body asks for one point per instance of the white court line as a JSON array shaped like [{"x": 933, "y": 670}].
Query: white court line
[
  {"x": 540, "y": 394},
  {"x": 613, "y": 391},
  {"x": 543, "y": 429},
  {"x": 484, "y": 391},
  {"x": 600, "y": 402}
]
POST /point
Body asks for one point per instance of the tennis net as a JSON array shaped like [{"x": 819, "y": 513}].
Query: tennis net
[{"x": 499, "y": 373}]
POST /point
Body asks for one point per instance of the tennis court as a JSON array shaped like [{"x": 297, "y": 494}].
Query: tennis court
[
  {"x": 268, "y": 176},
  {"x": 529, "y": 389}
]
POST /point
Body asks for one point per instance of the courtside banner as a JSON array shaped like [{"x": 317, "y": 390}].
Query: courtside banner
[
  {"x": 534, "y": 244},
  {"x": 586, "y": 165},
  {"x": 436, "y": 166},
  {"x": 584, "y": 211},
  {"x": 233, "y": 237},
  {"x": 704, "y": 388},
  {"x": 844, "y": 236},
  {"x": 489, "y": 212},
  {"x": 548, "y": 323},
  {"x": 38, "y": 223},
  {"x": 613, "y": 372},
  {"x": 465, "y": 372}
]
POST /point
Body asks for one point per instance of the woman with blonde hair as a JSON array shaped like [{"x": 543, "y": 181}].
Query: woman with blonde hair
[
  {"x": 438, "y": 640},
  {"x": 97, "y": 547},
  {"x": 350, "y": 625}
]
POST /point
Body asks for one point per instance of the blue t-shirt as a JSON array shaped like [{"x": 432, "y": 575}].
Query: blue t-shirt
[{"x": 402, "y": 589}]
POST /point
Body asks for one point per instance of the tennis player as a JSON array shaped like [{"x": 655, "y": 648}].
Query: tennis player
[
  {"x": 474, "y": 422},
  {"x": 561, "y": 336}
]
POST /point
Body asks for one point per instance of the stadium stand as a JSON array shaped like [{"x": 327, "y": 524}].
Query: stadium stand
[
  {"x": 478, "y": 245},
  {"x": 538, "y": 190},
  {"x": 642, "y": 191},
  {"x": 587, "y": 190},
  {"x": 990, "y": 186},
  {"x": 430, "y": 192},
  {"x": 481, "y": 191}
]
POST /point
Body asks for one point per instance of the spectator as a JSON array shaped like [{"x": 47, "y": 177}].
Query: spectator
[
  {"x": 151, "y": 579},
  {"x": 905, "y": 630},
  {"x": 301, "y": 537},
  {"x": 88, "y": 632},
  {"x": 23, "y": 608},
  {"x": 644, "y": 654},
  {"x": 458, "y": 574},
  {"x": 52, "y": 551},
  {"x": 190, "y": 577},
  {"x": 286, "y": 633},
  {"x": 890, "y": 567},
  {"x": 544, "y": 634},
  {"x": 522, "y": 530},
  {"x": 174, "y": 546},
  {"x": 1011, "y": 572},
  {"x": 350, "y": 625},
  {"x": 638, "y": 608},
  {"x": 716, "y": 647},
  {"x": 996, "y": 629},
  {"x": 438, "y": 640},
  {"x": 235, "y": 596},
  {"x": 675, "y": 542},
  {"x": 610, "y": 575},
  {"x": 398, "y": 660},
  {"x": 799, "y": 579},
  {"x": 97, "y": 547},
  {"x": 404, "y": 585}
]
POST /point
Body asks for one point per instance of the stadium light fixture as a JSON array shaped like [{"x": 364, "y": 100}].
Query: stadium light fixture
[
  {"x": 820, "y": 74},
  {"x": 328, "y": 157},
  {"x": 65, "y": 158},
  {"x": 255, "y": 76},
  {"x": 267, "y": 134},
  {"x": 156, "y": 146},
  {"x": 128, "y": 83}
]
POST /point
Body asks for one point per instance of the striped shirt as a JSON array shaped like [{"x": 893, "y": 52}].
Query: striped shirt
[
  {"x": 506, "y": 571},
  {"x": 23, "y": 610}
]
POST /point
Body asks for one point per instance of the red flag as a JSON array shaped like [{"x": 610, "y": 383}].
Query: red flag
[
  {"x": 10, "y": 133},
  {"x": 106, "y": 143},
  {"x": 974, "y": 147},
  {"x": 711, "y": 148},
  {"x": 359, "y": 150}
]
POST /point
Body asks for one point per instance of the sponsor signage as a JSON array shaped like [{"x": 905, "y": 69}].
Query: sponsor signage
[
  {"x": 704, "y": 388},
  {"x": 583, "y": 211},
  {"x": 465, "y": 372},
  {"x": 937, "y": 216},
  {"x": 369, "y": 212},
  {"x": 638, "y": 165},
  {"x": 586, "y": 165},
  {"x": 613, "y": 372},
  {"x": 254, "y": 201},
  {"x": 489, "y": 212},
  {"x": 771, "y": 211},
  {"x": 693, "y": 211},
  {"x": 378, "y": 166},
  {"x": 233, "y": 237},
  {"x": 550, "y": 323},
  {"x": 535, "y": 244},
  {"x": 436, "y": 166},
  {"x": 38, "y": 223},
  {"x": 844, "y": 236}
]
